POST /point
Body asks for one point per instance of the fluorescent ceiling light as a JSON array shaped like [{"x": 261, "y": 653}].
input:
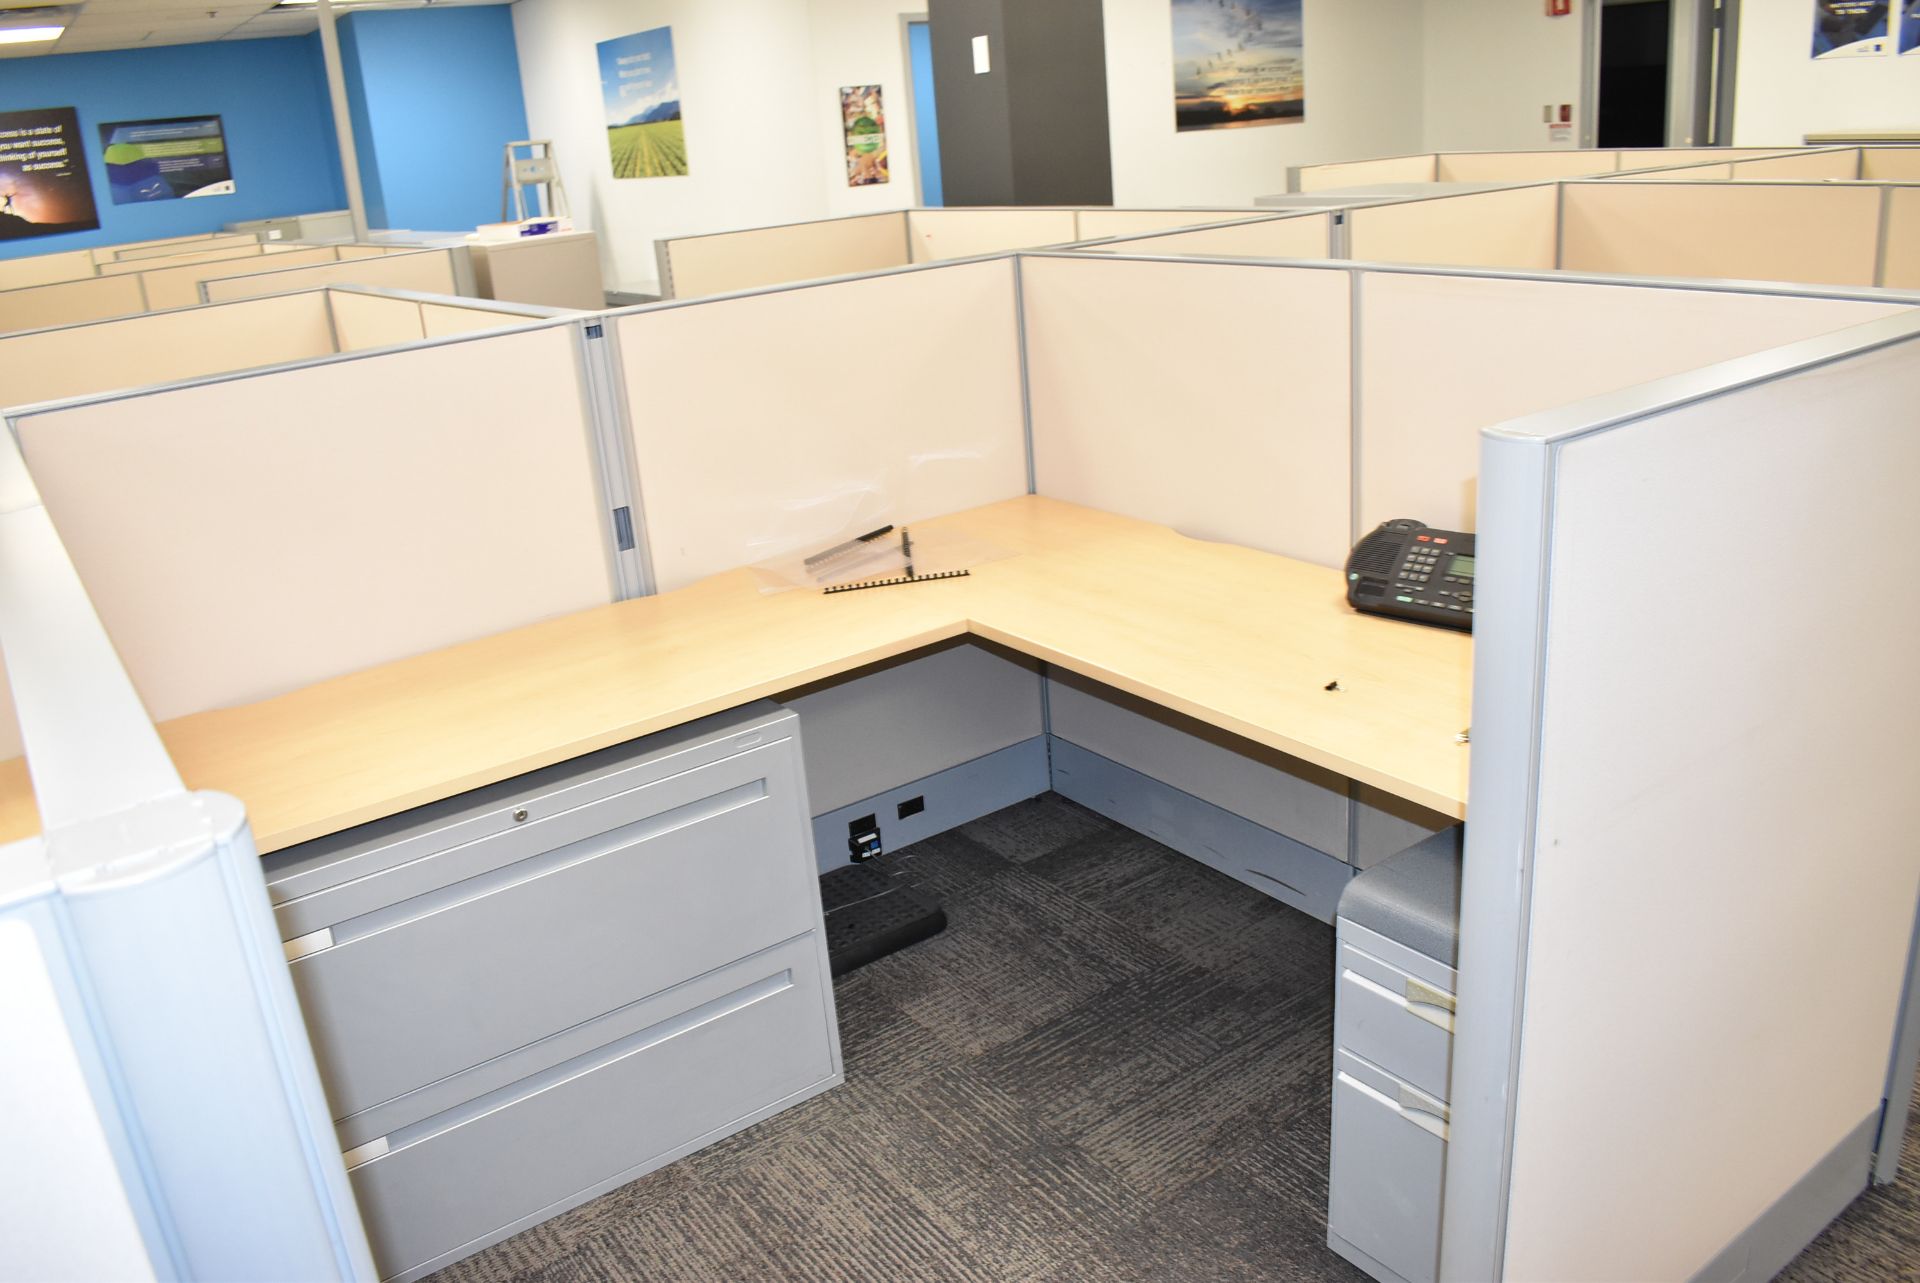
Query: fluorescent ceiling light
[{"x": 28, "y": 35}]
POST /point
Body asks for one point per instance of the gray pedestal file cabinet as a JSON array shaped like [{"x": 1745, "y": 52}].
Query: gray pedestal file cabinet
[
  {"x": 530, "y": 994},
  {"x": 1397, "y": 939}
]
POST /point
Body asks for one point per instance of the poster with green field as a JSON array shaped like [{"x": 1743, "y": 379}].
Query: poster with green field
[{"x": 640, "y": 88}]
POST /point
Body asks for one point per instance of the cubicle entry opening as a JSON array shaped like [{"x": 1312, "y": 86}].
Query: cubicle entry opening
[{"x": 1048, "y": 380}]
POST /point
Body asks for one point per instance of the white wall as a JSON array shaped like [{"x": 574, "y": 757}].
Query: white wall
[
  {"x": 759, "y": 91},
  {"x": 1364, "y": 68},
  {"x": 1782, "y": 94},
  {"x": 861, "y": 42},
  {"x": 1491, "y": 65}
]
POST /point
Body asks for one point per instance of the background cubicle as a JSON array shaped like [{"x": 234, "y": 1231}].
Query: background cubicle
[
  {"x": 1854, "y": 234},
  {"x": 164, "y": 282},
  {"x": 1507, "y": 166},
  {"x": 468, "y": 490},
  {"x": 721, "y": 262}
]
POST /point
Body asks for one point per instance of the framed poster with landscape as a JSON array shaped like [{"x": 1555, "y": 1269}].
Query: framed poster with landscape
[
  {"x": 1238, "y": 63},
  {"x": 640, "y": 91}
]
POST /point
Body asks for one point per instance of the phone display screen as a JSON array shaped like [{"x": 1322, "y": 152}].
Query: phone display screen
[{"x": 1462, "y": 566}]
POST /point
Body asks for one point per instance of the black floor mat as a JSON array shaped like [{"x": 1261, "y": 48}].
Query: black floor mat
[{"x": 872, "y": 911}]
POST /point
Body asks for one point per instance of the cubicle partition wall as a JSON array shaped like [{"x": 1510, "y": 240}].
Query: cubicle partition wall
[
  {"x": 1812, "y": 233},
  {"x": 45, "y": 269},
  {"x": 162, "y": 283},
  {"x": 1681, "y": 964},
  {"x": 329, "y": 516},
  {"x": 157, "y": 348},
  {"x": 1515, "y": 166},
  {"x": 456, "y": 488},
  {"x": 722, "y": 262},
  {"x": 1305, "y": 235},
  {"x": 425, "y": 271}
]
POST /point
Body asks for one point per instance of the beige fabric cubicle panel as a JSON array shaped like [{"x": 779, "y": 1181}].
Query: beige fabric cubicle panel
[
  {"x": 1663, "y": 157},
  {"x": 1363, "y": 173},
  {"x": 1516, "y": 228},
  {"x": 1723, "y": 877},
  {"x": 348, "y": 253},
  {"x": 362, "y": 321},
  {"x": 1095, "y": 224},
  {"x": 755, "y": 434},
  {"x": 1901, "y": 270},
  {"x": 1890, "y": 164},
  {"x": 70, "y": 302},
  {"x": 112, "y": 253},
  {"x": 1442, "y": 357},
  {"x": 180, "y": 286},
  {"x": 1805, "y": 166},
  {"x": 1295, "y": 236},
  {"x": 143, "y": 350},
  {"x": 1813, "y": 234},
  {"x": 1682, "y": 174},
  {"x": 744, "y": 260},
  {"x": 122, "y": 266},
  {"x": 428, "y": 271},
  {"x": 45, "y": 269},
  {"x": 941, "y": 234},
  {"x": 248, "y": 536},
  {"x": 1524, "y": 166},
  {"x": 1210, "y": 397},
  {"x": 443, "y": 320},
  {"x": 196, "y": 244}
]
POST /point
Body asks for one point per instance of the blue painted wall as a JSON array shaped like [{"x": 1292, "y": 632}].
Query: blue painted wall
[
  {"x": 926, "y": 116},
  {"x": 435, "y": 97},
  {"x": 271, "y": 96}
]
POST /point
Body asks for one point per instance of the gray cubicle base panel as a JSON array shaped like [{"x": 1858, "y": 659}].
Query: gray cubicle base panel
[
  {"x": 1269, "y": 862},
  {"x": 958, "y": 726},
  {"x": 527, "y": 995}
]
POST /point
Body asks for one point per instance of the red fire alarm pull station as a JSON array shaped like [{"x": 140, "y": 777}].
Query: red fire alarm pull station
[{"x": 1559, "y": 8}]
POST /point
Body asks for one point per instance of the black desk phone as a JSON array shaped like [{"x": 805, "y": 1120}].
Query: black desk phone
[{"x": 1412, "y": 571}]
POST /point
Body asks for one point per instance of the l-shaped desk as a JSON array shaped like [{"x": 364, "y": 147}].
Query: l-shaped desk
[
  {"x": 613, "y": 927},
  {"x": 1243, "y": 640}
]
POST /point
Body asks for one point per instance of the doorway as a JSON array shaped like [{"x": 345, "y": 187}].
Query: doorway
[
  {"x": 1636, "y": 54},
  {"x": 924, "y": 114}
]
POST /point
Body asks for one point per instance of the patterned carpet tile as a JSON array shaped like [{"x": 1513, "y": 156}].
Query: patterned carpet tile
[{"x": 1112, "y": 1068}]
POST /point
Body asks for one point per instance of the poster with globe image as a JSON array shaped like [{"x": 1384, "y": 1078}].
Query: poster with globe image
[
  {"x": 640, "y": 87},
  {"x": 1238, "y": 63},
  {"x": 44, "y": 188}
]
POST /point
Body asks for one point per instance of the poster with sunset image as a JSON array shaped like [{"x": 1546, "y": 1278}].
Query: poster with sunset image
[{"x": 1238, "y": 63}]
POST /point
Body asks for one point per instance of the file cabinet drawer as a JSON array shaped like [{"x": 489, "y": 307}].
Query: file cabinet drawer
[
  {"x": 724, "y": 1048},
  {"x": 1387, "y": 1163},
  {"x": 1394, "y": 1020},
  {"x": 702, "y": 871}
]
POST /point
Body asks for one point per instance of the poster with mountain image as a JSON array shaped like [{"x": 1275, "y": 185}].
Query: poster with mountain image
[
  {"x": 1238, "y": 63},
  {"x": 44, "y": 188},
  {"x": 640, "y": 89}
]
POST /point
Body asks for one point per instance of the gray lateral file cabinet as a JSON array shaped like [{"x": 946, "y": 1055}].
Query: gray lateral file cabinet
[
  {"x": 532, "y": 993},
  {"x": 1397, "y": 938}
]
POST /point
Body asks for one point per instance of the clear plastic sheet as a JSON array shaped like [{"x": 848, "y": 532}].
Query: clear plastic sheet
[{"x": 885, "y": 551}]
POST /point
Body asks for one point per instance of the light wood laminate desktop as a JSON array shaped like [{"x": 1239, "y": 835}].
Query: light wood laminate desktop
[{"x": 1243, "y": 640}]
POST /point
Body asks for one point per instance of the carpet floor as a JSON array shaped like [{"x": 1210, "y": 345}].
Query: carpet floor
[{"x": 1112, "y": 1068}]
